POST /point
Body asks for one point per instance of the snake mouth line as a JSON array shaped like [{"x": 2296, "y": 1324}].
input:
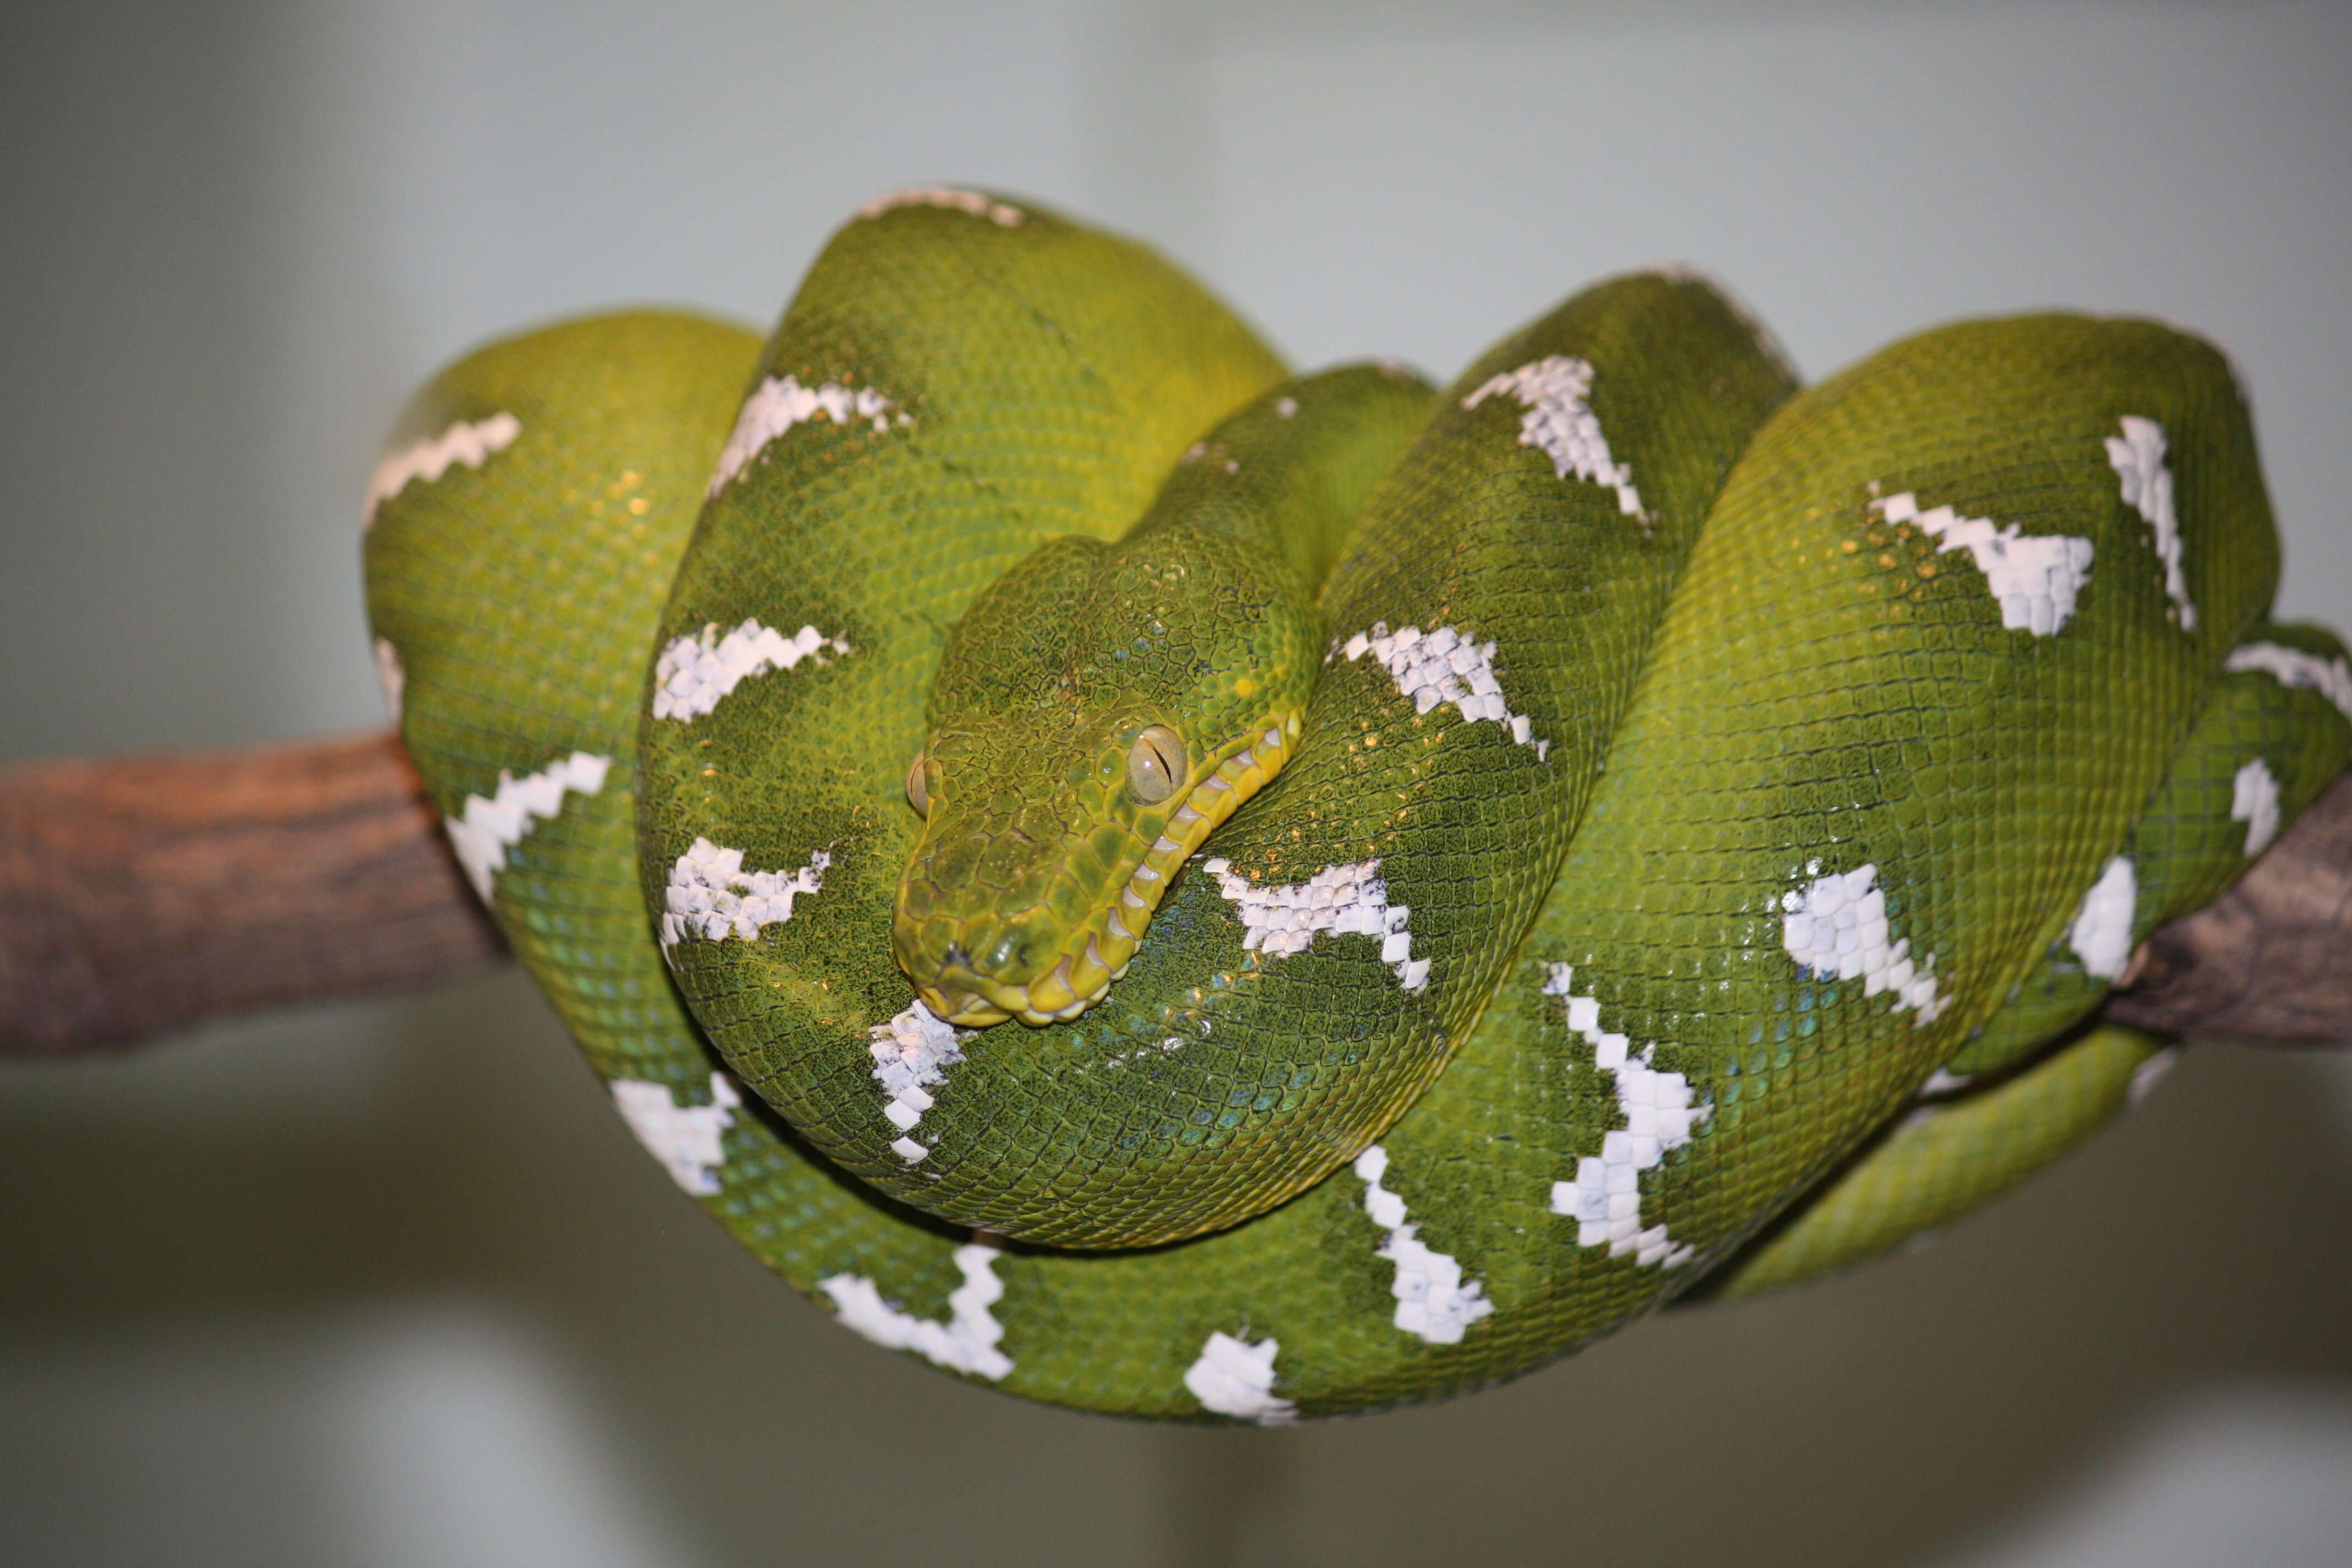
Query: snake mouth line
[{"x": 1084, "y": 976}]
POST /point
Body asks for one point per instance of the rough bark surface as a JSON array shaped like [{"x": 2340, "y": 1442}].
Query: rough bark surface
[{"x": 137, "y": 897}]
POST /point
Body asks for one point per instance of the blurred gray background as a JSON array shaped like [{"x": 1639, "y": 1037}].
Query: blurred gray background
[{"x": 278, "y": 1293}]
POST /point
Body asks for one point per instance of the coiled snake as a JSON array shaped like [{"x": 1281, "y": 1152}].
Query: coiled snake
[{"x": 1468, "y": 867}]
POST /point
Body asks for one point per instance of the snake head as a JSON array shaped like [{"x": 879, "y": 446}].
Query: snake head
[{"x": 1099, "y": 712}]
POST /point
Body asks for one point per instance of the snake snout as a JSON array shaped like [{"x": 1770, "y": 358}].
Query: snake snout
[
  {"x": 985, "y": 968},
  {"x": 1033, "y": 914},
  {"x": 996, "y": 910}
]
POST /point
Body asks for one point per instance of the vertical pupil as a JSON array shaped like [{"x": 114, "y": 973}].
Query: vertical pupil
[{"x": 1152, "y": 764}]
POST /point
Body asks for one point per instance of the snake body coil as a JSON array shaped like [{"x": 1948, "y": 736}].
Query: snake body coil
[{"x": 1468, "y": 867}]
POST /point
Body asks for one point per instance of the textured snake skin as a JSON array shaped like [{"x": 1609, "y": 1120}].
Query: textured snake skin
[{"x": 1713, "y": 813}]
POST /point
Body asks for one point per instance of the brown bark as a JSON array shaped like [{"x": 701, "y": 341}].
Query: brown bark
[{"x": 137, "y": 897}]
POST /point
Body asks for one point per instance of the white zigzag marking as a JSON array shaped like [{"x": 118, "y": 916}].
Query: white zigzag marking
[
  {"x": 2101, "y": 934},
  {"x": 971, "y": 201},
  {"x": 1605, "y": 1198},
  {"x": 781, "y": 402},
  {"x": 1560, "y": 423},
  {"x": 1836, "y": 929},
  {"x": 2138, "y": 457},
  {"x": 686, "y": 1138},
  {"x": 390, "y": 679},
  {"x": 2254, "y": 801},
  {"x": 710, "y": 896},
  {"x": 1278, "y": 921},
  {"x": 464, "y": 442},
  {"x": 1235, "y": 1377},
  {"x": 966, "y": 1342},
  {"x": 1444, "y": 666},
  {"x": 2034, "y": 579},
  {"x": 1432, "y": 1298},
  {"x": 693, "y": 673},
  {"x": 2290, "y": 666},
  {"x": 912, "y": 1054},
  {"x": 485, "y": 829}
]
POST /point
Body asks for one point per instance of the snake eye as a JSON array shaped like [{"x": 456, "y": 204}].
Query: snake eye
[
  {"x": 919, "y": 794},
  {"x": 1154, "y": 764}
]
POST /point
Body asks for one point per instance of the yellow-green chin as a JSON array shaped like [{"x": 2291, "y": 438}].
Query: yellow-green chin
[{"x": 1083, "y": 977}]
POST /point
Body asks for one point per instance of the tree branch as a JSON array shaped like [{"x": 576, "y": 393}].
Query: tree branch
[{"x": 139, "y": 897}]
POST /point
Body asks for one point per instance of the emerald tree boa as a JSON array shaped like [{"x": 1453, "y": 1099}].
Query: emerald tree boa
[{"x": 1181, "y": 888}]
